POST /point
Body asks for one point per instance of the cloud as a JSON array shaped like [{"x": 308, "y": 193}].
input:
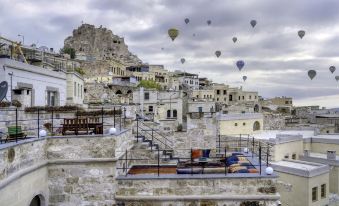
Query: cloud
[{"x": 277, "y": 60}]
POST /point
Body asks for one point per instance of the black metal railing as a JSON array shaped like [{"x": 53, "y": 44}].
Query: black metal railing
[
  {"x": 133, "y": 162},
  {"x": 18, "y": 124}
]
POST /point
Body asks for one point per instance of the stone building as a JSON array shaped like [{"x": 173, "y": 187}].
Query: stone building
[
  {"x": 32, "y": 85},
  {"x": 235, "y": 124}
]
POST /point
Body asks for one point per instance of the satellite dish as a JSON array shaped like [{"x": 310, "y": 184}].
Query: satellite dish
[{"x": 3, "y": 90}]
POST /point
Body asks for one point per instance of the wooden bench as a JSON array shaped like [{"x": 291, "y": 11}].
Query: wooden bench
[
  {"x": 15, "y": 132},
  {"x": 75, "y": 125}
]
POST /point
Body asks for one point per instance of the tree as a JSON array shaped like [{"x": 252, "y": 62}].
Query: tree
[
  {"x": 70, "y": 51},
  {"x": 149, "y": 84}
]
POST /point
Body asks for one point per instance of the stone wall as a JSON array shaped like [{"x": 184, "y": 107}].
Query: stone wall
[
  {"x": 196, "y": 191},
  {"x": 274, "y": 122},
  {"x": 63, "y": 170}
]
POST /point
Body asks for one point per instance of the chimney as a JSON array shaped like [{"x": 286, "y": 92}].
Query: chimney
[
  {"x": 331, "y": 155},
  {"x": 306, "y": 153}
]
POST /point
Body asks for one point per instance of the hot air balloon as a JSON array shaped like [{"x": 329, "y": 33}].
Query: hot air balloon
[
  {"x": 217, "y": 53},
  {"x": 209, "y": 22},
  {"x": 337, "y": 78},
  {"x": 253, "y": 23},
  {"x": 182, "y": 60},
  {"x": 301, "y": 34},
  {"x": 240, "y": 64},
  {"x": 173, "y": 33},
  {"x": 193, "y": 34},
  {"x": 332, "y": 69},
  {"x": 244, "y": 78},
  {"x": 234, "y": 39},
  {"x": 312, "y": 74},
  {"x": 162, "y": 48},
  {"x": 187, "y": 20}
]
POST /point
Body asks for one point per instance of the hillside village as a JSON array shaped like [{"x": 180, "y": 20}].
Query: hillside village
[{"x": 96, "y": 106}]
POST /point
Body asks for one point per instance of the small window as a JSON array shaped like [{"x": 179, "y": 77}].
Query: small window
[
  {"x": 200, "y": 109},
  {"x": 175, "y": 113},
  {"x": 239, "y": 98},
  {"x": 27, "y": 92},
  {"x": 217, "y": 99},
  {"x": 150, "y": 108},
  {"x": 323, "y": 191},
  {"x": 236, "y": 124},
  {"x": 250, "y": 97},
  {"x": 294, "y": 156},
  {"x": 218, "y": 92},
  {"x": 314, "y": 194},
  {"x": 286, "y": 156},
  {"x": 286, "y": 102},
  {"x": 146, "y": 96},
  {"x": 168, "y": 113},
  {"x": 243, "y": 97},
  {"x": 243, "y": 124}
]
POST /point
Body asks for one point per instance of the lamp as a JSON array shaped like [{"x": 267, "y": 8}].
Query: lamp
[
  {"x": 269, "y": 170},
  {"x": 42, "y": 133},
  {"x": 112, "y": 131}
]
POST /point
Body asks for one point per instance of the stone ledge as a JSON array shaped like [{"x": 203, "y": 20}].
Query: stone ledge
[
  {"x": 28, "y": 170},
  {"x": 197, "y": 197}
]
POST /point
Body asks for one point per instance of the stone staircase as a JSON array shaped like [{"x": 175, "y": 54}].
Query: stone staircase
[{"x": 149, "y": 139}]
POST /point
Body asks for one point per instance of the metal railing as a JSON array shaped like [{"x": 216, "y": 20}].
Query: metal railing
[
  {"x": 30, "y": 123},
  {"x": 135, "y": 161}
]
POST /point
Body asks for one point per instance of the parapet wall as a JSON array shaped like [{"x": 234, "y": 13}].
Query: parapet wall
[
  {"x": 192, "y": 191},
  {"x": 63, "y": 170}
]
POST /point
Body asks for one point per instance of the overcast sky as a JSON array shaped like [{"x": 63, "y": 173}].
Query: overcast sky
[{"x": 276, "y": 59}]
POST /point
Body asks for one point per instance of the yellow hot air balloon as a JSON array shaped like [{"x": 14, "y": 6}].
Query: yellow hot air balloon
[{"x": 173, "y": 33}]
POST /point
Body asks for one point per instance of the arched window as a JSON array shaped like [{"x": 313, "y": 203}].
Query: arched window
[
  {"x": 118, "y": 92},
  {"x": 168, "y": 113},
  {"x": 256, "y": 126},
  {"x": 38, "y": 200},
  {"x": 175, "y": 113},
  {"x": 256, "y": 108}
]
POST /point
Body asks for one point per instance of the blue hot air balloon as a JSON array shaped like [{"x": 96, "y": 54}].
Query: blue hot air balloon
[{"x": 240, "y": 64}]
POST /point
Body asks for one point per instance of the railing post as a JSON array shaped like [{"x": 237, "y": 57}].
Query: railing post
[
  {"x": 126, "y": 164},
  {"x": 16, "y": 124},
  {"x": 252, "y": 146},
  {"x": 52, "y": 132},
  {"x": 38, "y": 123},
  {"x": 158, "y": 161},
  {"x": 219, "y": 144},
  {"x": 120, "y": 117},
  {"x": 124, "y": 116},
  {"x": 77, "y": 122},
  {"x": 225, "y": 162},
  {"x": 267, "y": 154},
  {"x": 102, "y": 120},
  {"x": 152, "y": 141},
  {"x": 260, "y": 158},
  {"x": 191, "y": 161},
  {"x": 137, "y": 129},
  {"x": 114, "y": 117},
  {"x": 240, "y": 143}
]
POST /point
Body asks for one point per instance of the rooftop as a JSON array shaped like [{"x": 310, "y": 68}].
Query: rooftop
[
  {"x": 239, "y": 116},
  {"x": 300, "y": 168}
]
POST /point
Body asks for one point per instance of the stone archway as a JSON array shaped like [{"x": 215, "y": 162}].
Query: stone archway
[{"x": 38, "y": 200}]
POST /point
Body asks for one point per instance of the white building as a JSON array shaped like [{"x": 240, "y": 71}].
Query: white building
[
  {"x": 32, "y": 85},
  {"x": 75, "y": 89}
]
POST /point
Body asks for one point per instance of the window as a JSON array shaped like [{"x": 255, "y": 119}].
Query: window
[
  {"x": 243, "y": 97},
  {"x": 250, "y": 97},
  {"x": 146, "y": 96},
  {"x": 286, "y": 102},
  {"x": 218, "y": 92},
  {"x": 168, "y": 113},
  {"x": 225, "y": 92},
  {"x": 256, "y": 126},
  {"x": 81, "y": 91},
  {"x": 255, "y": 97},
  {"x": 230, "y": 98},
  {"x": 225, "y": 99},
  {"x": 294, "y": 156},
  {"x": 51, "y": 98},
  {"x": 175, "y": 113},
  {"x": 243, "y": 124},
  {"x": 236, "y": 124},
  {"x": 197, "y": 96},
  {"x": 286, "y": 156},
  {"x": 239, "y": 97},
  {"x": 200, "y": 109},
  {"x": 323, "y": 191},
  {"x": 314, "y": 194},
  {"x": 217, "y": 99},
  {"x": 150, "y": 108}
]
